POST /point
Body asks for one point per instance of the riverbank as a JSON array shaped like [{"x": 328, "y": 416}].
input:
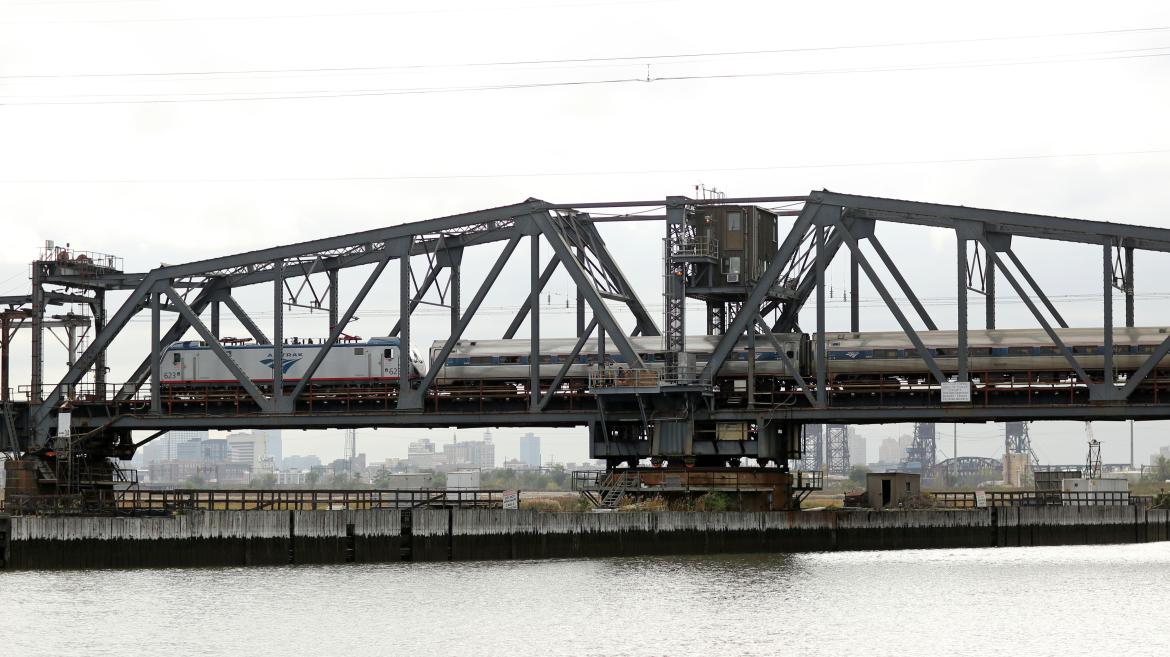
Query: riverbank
[{"x": 235, "y": 538}]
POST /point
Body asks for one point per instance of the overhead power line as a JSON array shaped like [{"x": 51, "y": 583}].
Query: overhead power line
[
  {"x": 205, "y": 97},
  {"x": 587, "y": 60}
]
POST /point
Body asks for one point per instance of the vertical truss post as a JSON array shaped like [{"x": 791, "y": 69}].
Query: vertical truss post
[
  {"x": 534, "y": 324},
  {"x": 277, "y": 333},
  {"x": 1129, "y": 315},
  {"x": 961, "y": 304},
  {"x": 854, "y": 289},
  {"x": 215, "y": 319},
  {"x": 405, "y": 398},
  {"x": 675, "y": 301},
  {"x": 822, "y": 374},
  {"x": 1107, "y": 311},
  {"x": 989, "y": 289},
  {"x": 454, "y": 281},
  {"x": 155, "y": 354},
  {"x": 580, "y": 299},
  {"x": 37, "y": 377},
  {"x": 334, "y": 298},
  {"x": 98, "y": 309}
]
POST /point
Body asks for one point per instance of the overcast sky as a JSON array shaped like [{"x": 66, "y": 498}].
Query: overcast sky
[{"x": 166, "y": 131}]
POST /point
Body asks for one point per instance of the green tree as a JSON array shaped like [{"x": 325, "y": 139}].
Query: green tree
[
  {"x": 194, "y": 481},
  {"x": 265, "y": 481},
  {"x": 312, "y": 478},
  {"x": 857, "y": 474}
]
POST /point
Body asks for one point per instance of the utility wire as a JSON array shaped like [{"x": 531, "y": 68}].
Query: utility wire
[
  {"x": 586, "y": 60},
  {"x": 228, "y": 97}
]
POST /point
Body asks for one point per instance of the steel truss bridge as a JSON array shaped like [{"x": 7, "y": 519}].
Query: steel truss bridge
[{"x": 675, "y": 416}]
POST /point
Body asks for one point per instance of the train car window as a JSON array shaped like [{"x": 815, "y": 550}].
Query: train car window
[
  {"x": 387, "y": 353},
  {"x": 359, "y": 351},
  {"x": 1144, "y": 349},
  {"x": 946, "y": 352},
  {"x": 481, "y": 360},
  {"x": 979, "y": 351},
  {"x": 885, "y": 353},
  {"x": 1121, "y": 349},
  {"x": 509, "y": 360},
  {"x": 1019, "y": 351},
  {"x": 548, "y": 358},
  {"x": 1085, "y": 349},
  {"x": 1047, "y": 351},
  {"x": 178, "y": 358}
]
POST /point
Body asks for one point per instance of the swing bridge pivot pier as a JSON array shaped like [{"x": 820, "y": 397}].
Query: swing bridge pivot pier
[{"x": 739, "y": 387}]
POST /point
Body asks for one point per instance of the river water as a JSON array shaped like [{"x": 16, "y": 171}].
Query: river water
[{"x": 1093, "y": 600}]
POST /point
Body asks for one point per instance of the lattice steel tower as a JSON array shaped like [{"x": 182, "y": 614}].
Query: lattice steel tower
[
  {"x": 837, "y": 449},
  {"x": 811, "y": 443}
]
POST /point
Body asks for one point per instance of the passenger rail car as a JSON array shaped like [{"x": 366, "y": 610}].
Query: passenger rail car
[
  {"x": 508, "y": 360},
  {"x": 194, "y": 363},
  {"x": 1001, "y": 354}
]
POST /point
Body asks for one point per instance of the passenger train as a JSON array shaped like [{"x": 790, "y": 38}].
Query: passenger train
[{"x": 994, "y": 354}]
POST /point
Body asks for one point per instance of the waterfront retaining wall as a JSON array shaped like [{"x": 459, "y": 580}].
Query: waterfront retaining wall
[{"x": 221, "y": 538}]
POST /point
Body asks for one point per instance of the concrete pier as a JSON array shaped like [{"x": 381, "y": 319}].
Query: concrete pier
[{"x": 232, "y": 538}]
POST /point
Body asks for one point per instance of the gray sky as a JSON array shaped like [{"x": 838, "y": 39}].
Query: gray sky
[{"x": 124, "y": 132}]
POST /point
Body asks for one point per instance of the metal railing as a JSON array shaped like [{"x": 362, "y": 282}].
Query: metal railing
[
  {"x": 969, "y": 500},
  {"x": 809, "y": 480},
  {"x": 700, "y": 247},
  {"x": 139, "y": 500},
  {"x": 613, "y": 378}
]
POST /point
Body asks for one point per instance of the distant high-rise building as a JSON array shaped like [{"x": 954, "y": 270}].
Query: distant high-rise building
[
  {"x": 166, "y": 446},
  {"x": 470, "y": 454},
  {"x": 890, "y": 451},
  {"x": 857, "y": 447},
  {"x": 530, "y": 449},
  {"x": 246, "y": 448},
  {"x": 420, "y": 454},
  {"x": 273, "y": 445}
]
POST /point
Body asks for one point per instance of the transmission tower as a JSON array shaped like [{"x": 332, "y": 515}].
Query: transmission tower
[
  {"x": 923, "y": 449},
  {"x": 1093, "y": 460},
  {"x": 350, "y": 448},
  {"x": 837, "y": 449},
  {"x": 810, "y": 447}
]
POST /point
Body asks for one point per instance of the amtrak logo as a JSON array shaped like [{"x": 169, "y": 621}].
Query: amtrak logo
[
  {"x": 287, "y": 362},
  {"x": 853, "y": 354}
]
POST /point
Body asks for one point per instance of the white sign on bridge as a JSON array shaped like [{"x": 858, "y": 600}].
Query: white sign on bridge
[{"x": 956, "y": 392}]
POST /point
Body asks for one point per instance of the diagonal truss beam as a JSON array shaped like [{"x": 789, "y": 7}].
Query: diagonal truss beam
[
  {"x": 1036, "y": 287},
  {"x": 224, "y": 357},
  {"x": 428, "y": 281},
  {"x": 457, "y": 333},
  {"x": 789, "y": 319},
  {"x": 585, "y": 286},
  {"x": 564, "y": 369},
  {"x": 525, "y": 307},
  {"x": 342, "y": 322},
  {"x": 645, "y": 322},
  {"x": 891, "y": 303},
  {"x": 787, "y": 361},
  {"x": 1023, "y": 294},
  {"x": 902, "y": 284},
  {"x": 760, "y": 291},
  {"x": 245, "y": 319}
]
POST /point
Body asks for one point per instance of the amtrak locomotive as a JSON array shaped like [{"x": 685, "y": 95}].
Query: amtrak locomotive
[
  {"x": 377, "y": 360},
  {"x": 992, "y": 355}
]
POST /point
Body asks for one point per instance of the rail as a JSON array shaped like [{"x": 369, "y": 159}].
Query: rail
[
  {"x": 163, "y": 501},
  {"x": 697, "y": 247}
]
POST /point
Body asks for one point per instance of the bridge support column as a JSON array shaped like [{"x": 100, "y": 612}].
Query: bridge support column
[
  {"x": 155, "y": 355},
  {"x": 277, "y": 333}
]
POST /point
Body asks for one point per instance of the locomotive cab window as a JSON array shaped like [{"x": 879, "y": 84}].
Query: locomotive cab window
[
  {"x": 178, "y": 358},
  {"x": 359, "y": 351},
  {"x": 387, "y": 353}
]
